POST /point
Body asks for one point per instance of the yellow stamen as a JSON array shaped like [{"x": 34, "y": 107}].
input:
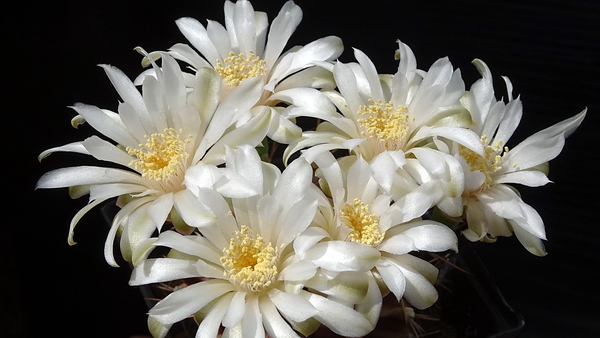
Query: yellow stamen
[
  {"x": 364, "y": 225},
  {"x": 250, "y": 262},
  {"x": 384, "y": 123},
  {"x": 162, "y": 158},
  {"x": 236, "y": 68},
  {"x": 488, "y": 164}
]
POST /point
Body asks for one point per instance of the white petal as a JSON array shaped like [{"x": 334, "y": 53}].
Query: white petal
[
  {"x": 292, "y": 306},
  {"x": 346, "y": 80},
  {"x": 429, "y": 236},
  {"x": 532, "y": 243},
  {"x": 299, "y": 271},
  {"x": 370, "y": 307},
  {"x": 297, "y": 219},
  {"x": 192, "y": 210},
  {"x": 244, "y": 27},
  {"x": 75, "y": 147},
  {"x": 251, "y": 132},
  {"x": 282, "y": 27},
  {"x": 343, "y": 256},
  {"x": 463, "y": 136},
  {"x": 339, "y": 318},
  {"x": 160, "y": 208},
  {"x": 274, "y": 324},
  {"x": 211, "y": 323},
  {"x": 533, "y": 153},
  {"x": 206, "y": 94},
  {"x": 392, "y": 277},
  {"x": 162, "y": 270},
  {"x": 293, "y": 183},
  {"x": 419, "y": 291},
  {"x": 139, "y": 227},
  {"x": 185, "y": 302},
  {"x": 531, "y": 178},
  {"x": 308, "y": 238},
  {"x": 348, "y": 287},
  {"x": 512, "y": 116},
  {"x": 128, "y": 92},
  {"x": 115, "y": 226},
  {"x": 103, "y": 123},
  {"x": 236, "y": 310},
  {"x": 371, "y": 75},
  {"x": 73, "y": 176},
  {"x": 192, "y": 245},
  {"x": 195, "y": 33},
  {"x": 252, "y": 322}
]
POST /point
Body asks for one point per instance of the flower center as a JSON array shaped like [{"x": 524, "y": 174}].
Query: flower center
[
  {"x": 162, "y": 158},
  {"x": 488, "y": 164},
  {"x": 236, "y": 68},
  {"x": 364, "y": 225},
  {"x": 384, "y": 123},
  {"x": 250, "y": 262}
]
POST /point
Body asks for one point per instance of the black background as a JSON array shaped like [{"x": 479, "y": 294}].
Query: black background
[{"x": 550, "y": 50}]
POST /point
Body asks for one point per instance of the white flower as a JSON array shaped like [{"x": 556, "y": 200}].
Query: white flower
[
  {"x": 493, "y": 208},
  {"x": 159, "y": 135},
  {"x": 242, "y": 257},
  {"x": 361, "y": 230},
  {"x": 246, "y": 47},
  {"x": 383, "y": 118}
]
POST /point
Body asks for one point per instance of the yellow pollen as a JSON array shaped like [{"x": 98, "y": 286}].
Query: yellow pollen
[
  {"x": 488, "y": 164},
  {"x": 162, "y": 157},
  {"x": 364, "y": 225},
  {"x": 250, "y": 262},
  {"x": 385, "y": 123},
  {"x": 236, "y": 68}
]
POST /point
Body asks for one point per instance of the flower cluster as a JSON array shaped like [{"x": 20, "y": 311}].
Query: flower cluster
[{"x": 277, "y": 242}]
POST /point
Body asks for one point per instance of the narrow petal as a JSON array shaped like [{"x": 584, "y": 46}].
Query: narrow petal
[
  {"x": 85, "y": 175},
  {"x": 371, "y": 75},
  {"x": 236, "y": 310},
  {"x": 251, "y": 132},
  {"x": 195, "y": 33},
  {"x": 419, "y": 291},
  {"x": 274, "y": 324},
  {"x": 116, "y": 225},
  {"x": 252, "y": 322},
  {"x": 103, "y": 123},
  {"x": 343, "y": 256},
  {"x": 292, "y": 306},
  {"x": 392, "y": 277},
  {"x": 531, "y": 178},
  {"x": 532, "y": 243},
  {"x": 75, "y": 147},
  {"x": 341, "y": 319},
  {"x": 293, "y": 183},
  {"x": 128, "y": 92},
  {"x": 211, "y": 323},
  {"x": 192, "y": 245},
  {"x": 282, "y": 27},
  {"x": 139, "y": 227},
  {"x": 158, "y": 270},
  {"x": 184, "y": 302},
  {"x": 192, "y": 210},
  {"x": 106, "y": 151},
  {"x": 160, "y": 208}
]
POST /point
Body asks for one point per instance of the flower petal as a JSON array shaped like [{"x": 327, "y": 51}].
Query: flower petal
[
  {"x": 341, "y": 319},
  {"x": 184, "y": 302},
  {"x": 157, "y": 270},
  {"x": 292, "y": 306}
]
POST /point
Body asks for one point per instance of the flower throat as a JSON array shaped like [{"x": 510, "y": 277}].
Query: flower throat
[
  {"x": 162, "y": 158},
  {"x": 236, "y": 68}
]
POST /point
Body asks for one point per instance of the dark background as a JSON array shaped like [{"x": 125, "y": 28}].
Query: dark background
[{"x": 550, "y": 50}]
